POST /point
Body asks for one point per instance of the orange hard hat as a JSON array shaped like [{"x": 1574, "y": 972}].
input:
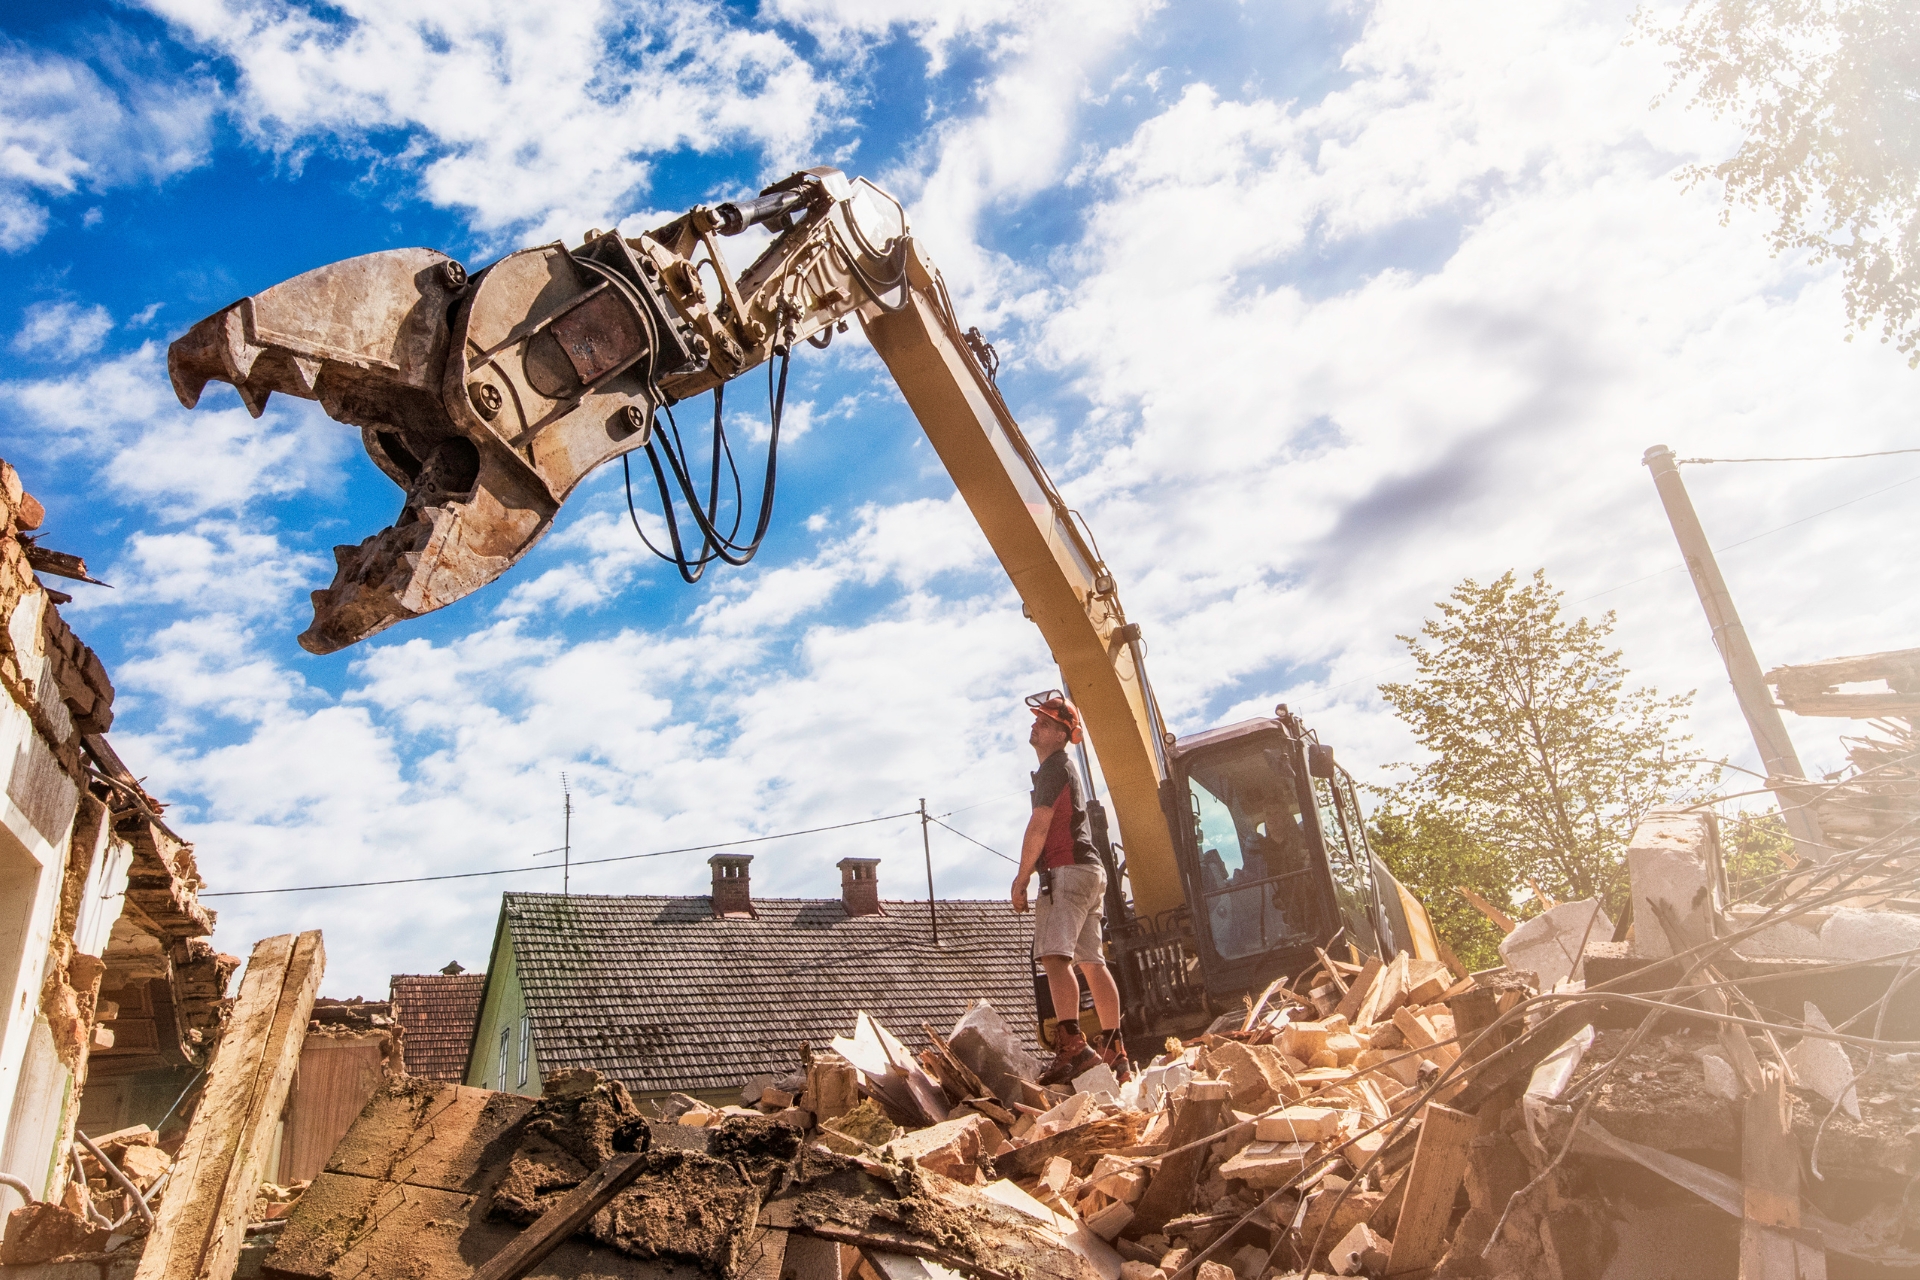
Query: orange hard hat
[{"x": 1054, "y": 706}]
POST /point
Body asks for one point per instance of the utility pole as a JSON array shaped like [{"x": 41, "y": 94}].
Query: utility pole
[
  {"x": 1743, "y": 669},
  {"x": 566, "y": 841},
  {"x": 926, "y": 847}
]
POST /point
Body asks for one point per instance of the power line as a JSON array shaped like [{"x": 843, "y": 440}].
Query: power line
[
  {"x": 1831, "y": 457},
  {"x": 970, "y": 840},
  {"x": 590, "y": 862},
  {"x": 977, "y": 803}
]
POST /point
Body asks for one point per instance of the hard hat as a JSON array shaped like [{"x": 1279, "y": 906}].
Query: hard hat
[{"x": 1054, "y": 706}]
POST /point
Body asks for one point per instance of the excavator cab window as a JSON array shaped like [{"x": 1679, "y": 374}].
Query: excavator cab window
[
  {"x": 1256, "y": 886},
  {"x": 1347, "y": 859}
]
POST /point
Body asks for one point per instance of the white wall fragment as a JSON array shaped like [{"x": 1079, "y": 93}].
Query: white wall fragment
[
  {"x": 1823, "y": 1066},
  {"x": 1549, "y": 944}
]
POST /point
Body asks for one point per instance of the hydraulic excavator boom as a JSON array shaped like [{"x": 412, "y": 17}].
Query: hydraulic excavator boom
[{"x": 488, "y": 396}]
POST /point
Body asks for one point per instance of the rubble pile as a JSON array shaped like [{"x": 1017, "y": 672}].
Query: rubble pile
[
  {"x": 1620, "y": 1115},
  {"x": 1706, "y": 1087},
  {"x": 120, "y": 1178}
]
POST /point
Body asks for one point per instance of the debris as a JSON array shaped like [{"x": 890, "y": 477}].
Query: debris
[
  {"x": 1670, "y": 861},
  {"x": 1549, "y": 945},
  {"x": 1823, "y": 1066},
  {"x": 45, "y": 1231},
  {"x": 954, "y": 1149},
  {"x": 201, "y": 1222},
  {"x": 1360, "y": 1250},
  {"x": 563, "y": 1219}
]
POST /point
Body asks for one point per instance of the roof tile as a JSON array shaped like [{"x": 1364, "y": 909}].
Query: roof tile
[
  {"x": 437, "y": 1013},
  {"x": 656, "y": 993}
]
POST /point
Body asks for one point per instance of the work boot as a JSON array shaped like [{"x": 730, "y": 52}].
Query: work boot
[
  {"x": 1113, "y": 1052},
  {"x": 1073, "y": 1057}
]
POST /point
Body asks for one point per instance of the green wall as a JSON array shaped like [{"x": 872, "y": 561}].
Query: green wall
[{"x": 504, "y": 1008}]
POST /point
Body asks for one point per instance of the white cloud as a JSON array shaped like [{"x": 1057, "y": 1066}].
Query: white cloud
[
  {"x": 62, "y": 330},
  {"x": 1019, "y": 141},
  {"x": 180, "y": 465},
  {"x": 64, "y": 129},
  {"x": 1334, "y": 355},
  {"x": 1331, "y": 450},
  {"x": 849, "y": 27},
  {"x": 536, "y": 120}
]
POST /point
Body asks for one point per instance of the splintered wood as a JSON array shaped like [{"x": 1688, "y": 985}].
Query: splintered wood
[{"x": 198, "y": 1230}]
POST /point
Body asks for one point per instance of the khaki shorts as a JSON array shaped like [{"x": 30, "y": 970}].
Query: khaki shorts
[{"x": 1066, "y": 920}]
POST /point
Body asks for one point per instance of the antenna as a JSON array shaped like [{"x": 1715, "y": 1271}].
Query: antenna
[{"x": 566, "y": 840}]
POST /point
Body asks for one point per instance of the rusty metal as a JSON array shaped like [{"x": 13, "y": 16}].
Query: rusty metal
[{"x": 488, "y": 396}]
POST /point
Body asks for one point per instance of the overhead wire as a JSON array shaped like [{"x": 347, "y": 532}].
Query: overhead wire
[
  {"x": 970, "y": 840},
  {"x": 588, "y": 862},
  {"x": 1831, "y": 457}
]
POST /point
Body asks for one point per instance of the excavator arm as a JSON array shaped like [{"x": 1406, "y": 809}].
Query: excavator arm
[{"x": 487, "y": 397}]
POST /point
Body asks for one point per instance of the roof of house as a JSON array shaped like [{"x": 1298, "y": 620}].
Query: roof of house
[
  {"x": 436, "y": 1012},
  {"x": 656, "y": 993}
]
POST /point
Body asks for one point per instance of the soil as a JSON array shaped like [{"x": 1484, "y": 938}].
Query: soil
[{"x": 685, "y": 1207}]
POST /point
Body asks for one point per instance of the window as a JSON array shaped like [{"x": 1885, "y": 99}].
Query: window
[
  {"x": 526, "y": 1045},
  {"x": 1254, "y": 854},
  {"x": 506, "y": 1047}
]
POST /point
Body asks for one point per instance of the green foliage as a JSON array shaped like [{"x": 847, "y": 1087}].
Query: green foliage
[
  {"x": 1539, "y": 754},
  {"x": 1755, "y": 848},
  {"x": 1827, "y": 92},
  {"x": 1434, "y": 859}
]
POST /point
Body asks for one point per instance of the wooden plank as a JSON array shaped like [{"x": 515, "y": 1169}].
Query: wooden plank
[
  {"x": 1386, "y": 994},
  {"x": 1082, "y": 1144},
  {"x": 1200, "y": 1116},
  {"x": 335, "y": 1079},
  {"x": 1770, "y": 1172},
  {"x": 1500, "y": 919},
  {"x": 566, "y": 1217},
  {"x": 372, "y": 1229},
  {"x": 180, "y": 1229},
  {"x": 1350, "y": 1003},
  {"x": 1333, "y": 974},
  {"x": 1433, "y": 1181},
  {"x": 279, "y": 1058}
]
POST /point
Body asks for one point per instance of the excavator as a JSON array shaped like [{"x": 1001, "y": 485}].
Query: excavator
[{"x": 487, "y": 396}]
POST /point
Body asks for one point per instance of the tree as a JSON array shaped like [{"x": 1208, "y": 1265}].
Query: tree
[
  {"x": 1434, "y": 858},
  {"x": 1539, "y": 755},
  {"x": 1757, "y": 848},
  {"x": 1827, "y": 91}
]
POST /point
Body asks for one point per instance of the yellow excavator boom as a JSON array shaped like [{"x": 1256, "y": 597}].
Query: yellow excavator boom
[{"x": 487, "y": 397}]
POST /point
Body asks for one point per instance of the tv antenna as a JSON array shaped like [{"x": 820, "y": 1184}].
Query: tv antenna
[{"x": 566, "y": 839}]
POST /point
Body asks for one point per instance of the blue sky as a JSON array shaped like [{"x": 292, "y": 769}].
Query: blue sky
[{"x": 1314, "y": 310}]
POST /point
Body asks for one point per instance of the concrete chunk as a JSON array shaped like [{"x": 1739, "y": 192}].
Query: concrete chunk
[
  {"x": 1671, "y": 861},
  {"x": 1298, "y": 1124},
  {"x": 1549, "y": 944},
  {"x": 952, "y": 1148},
  {"x": 1823, "y": 1066},
  {"x": 1360, "y": 1250},
  {"x": 1267, "y": 1164}
]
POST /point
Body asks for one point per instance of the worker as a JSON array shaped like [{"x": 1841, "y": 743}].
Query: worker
[{"x": 1073, "y": 888}]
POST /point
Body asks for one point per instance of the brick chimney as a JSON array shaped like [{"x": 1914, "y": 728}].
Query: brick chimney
[
  {"x": 860, "y": 886},
  {"x": 732, "y": 895}
]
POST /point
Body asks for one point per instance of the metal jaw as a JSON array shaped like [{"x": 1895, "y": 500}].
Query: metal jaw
[{"x": 488, "y": 397}]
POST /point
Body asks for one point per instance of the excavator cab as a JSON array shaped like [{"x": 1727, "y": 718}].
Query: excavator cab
[{"x": 1274, "y": 855}]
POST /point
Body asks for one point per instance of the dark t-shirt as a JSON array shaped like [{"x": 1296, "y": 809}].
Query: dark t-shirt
[{"x": 1056, "y": 786}]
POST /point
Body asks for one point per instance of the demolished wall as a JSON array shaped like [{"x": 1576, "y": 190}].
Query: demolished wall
[{"x": 105, "y": 961}]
